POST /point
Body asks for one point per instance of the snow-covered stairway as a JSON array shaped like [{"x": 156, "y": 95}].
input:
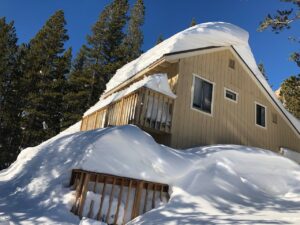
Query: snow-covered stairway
[{"x": 113, "y": 199}]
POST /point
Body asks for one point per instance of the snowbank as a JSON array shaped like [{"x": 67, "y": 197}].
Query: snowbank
[
  {"x": 156, "y": 82},
  {"x": 209, "y": 185},
  {"x": 295, "y": 156}
]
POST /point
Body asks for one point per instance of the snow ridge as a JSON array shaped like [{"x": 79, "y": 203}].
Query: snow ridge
[{"x": 222, "y": 183}]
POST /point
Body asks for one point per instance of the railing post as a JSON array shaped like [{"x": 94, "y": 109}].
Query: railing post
[
  {"x": 137, "y": 199},
  {"x": 83, "y": 194}
]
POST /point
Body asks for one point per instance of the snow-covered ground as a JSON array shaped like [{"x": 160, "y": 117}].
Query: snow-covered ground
[{"x": 223, "y": 184}]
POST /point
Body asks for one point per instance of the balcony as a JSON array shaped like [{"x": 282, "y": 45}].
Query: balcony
[{"x": 149, "y": 109}]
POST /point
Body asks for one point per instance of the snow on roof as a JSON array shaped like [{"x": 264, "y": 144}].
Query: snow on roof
[
  {"x": 200, "y": 36},
  {"x": 220, "y": 183},
  {"x": 156, "y": 82}
]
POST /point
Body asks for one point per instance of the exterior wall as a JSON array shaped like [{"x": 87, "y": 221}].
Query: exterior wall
[{"x": 230, "y": 123}]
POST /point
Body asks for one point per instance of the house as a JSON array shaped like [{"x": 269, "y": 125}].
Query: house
[{"x": 200, "y": 87}]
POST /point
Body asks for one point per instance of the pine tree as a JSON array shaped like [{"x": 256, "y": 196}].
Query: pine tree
[
  {"x": 290, "y": 95},
  {"x": 106, "y": 50},
  {"x": 159, "y": 39},
  {"x": 134, "y": 38},
  {"x": 283, "y": 19},
  {"x": 76, "y": 99},
  {"x": 193, "y": 23},
  {"x": 262, "y": 69},
  {"x": 10, "y": 96},
  {"x": 46, "y": 64}
]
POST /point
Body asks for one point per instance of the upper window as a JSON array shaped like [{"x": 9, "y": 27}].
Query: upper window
[
  {"x": 231, "y": 63},
  {"x": 202, "y": 96},
  {"x": 230, "y": 95},
  {"x": 260, "y": 115}
]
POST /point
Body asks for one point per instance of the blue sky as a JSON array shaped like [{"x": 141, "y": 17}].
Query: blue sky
[{"x": 166, "y": 17}]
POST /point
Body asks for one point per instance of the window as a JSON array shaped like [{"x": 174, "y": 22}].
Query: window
[
  {"x": 202, "y": 95},
  {"x": 231, "y": 64},
  {"x": 260, "y": 115},
  {"x": 230, "y": 95}
]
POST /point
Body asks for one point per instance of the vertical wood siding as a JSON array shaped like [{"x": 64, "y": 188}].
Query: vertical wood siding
[{"x": 230, "y": 123}]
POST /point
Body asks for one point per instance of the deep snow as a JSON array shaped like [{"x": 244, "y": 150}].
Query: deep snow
[{"x": 209, "y": 185}]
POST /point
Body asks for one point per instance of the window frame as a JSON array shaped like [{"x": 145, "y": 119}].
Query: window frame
[
  {"x": 255, "y": 121},
  {"x": 229, "y": 99},
  {"x": 212, "y": 98}
]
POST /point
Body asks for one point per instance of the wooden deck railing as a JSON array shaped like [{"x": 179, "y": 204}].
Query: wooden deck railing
[
  {"x": 144, "y": 107},
  {"x": 113, "y": 199}
]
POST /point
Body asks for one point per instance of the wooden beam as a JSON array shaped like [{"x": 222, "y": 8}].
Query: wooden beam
[
  {"x": 110, "y": 200},
  {"x": 78, "y": 192},
  {"x": 137, "y": 199},
  {"x": 127, "y": 200},
  {"x": 119, "y": 202},
  {"x": 154, "y": 196},
  {"x": 102, "y": 199},
  {"x": 146, "y": 198},
  {"x": 83, "y": 194}
]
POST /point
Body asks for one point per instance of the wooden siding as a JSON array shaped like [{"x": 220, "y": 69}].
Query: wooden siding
[{"x": 230, "y": 123}]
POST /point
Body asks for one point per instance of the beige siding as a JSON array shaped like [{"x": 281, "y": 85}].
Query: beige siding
[{"x": 231, "y": 123}]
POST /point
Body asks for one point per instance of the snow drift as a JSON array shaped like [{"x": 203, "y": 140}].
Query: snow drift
[{"x": 209, "y": 185}]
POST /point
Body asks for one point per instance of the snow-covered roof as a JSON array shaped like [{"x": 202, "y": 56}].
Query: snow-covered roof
[
  {"x": 156, "y": 82},
  {"x": 200, "y": 36}
]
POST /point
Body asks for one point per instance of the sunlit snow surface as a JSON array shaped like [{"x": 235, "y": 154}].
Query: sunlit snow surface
[{"x": 223, "y": 184}]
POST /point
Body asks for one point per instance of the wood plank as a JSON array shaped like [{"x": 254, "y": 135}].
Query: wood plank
[
  {"x": 145, "y": 107},
  {"x": 95, "y": 120},
  {"x": 95, "y": 184},
  {"x": 101, "y": 201},
  {"x": 125, "y": 111},
  {"x": 110, "y": 200},
  {"x": 154, "y": 196},
  {"x": 160, "y": 194},
  {"x": 83, "y": 194},
  {"x": 140, "y": 95},
  {"x": 152, "y": 117},
  {"x": 81, "y": 125},
  {"x": 127, "y": 200},
  {"x": 162, "y": 113},
  {"x": 120, "y": 112},
  {"x": 78, "y": 192},
  {"x": 137, "y": 199},
  {"x": 146, "y": 198},
  {"x": 119, "y": 202},
  {"x": 90, "y": 213}
]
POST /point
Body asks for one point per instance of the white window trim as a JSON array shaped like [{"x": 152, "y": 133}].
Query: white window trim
[
  {"x": 229, "y": 99},
  {"x": 266, "y": 119},
  {"x": 213, "y": 95}
]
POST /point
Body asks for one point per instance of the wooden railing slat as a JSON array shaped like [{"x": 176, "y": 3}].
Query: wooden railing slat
[
  {"x": 83, "y": 194},
  {"x": 127, "y": 200},
  {"x": 102, "y": 198},
  {"x": 110, "y": 200},
  {"x": 119, "y": 202},
  {"x": 146, "y": 198},
  {"x": 154, "y": 196}
]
